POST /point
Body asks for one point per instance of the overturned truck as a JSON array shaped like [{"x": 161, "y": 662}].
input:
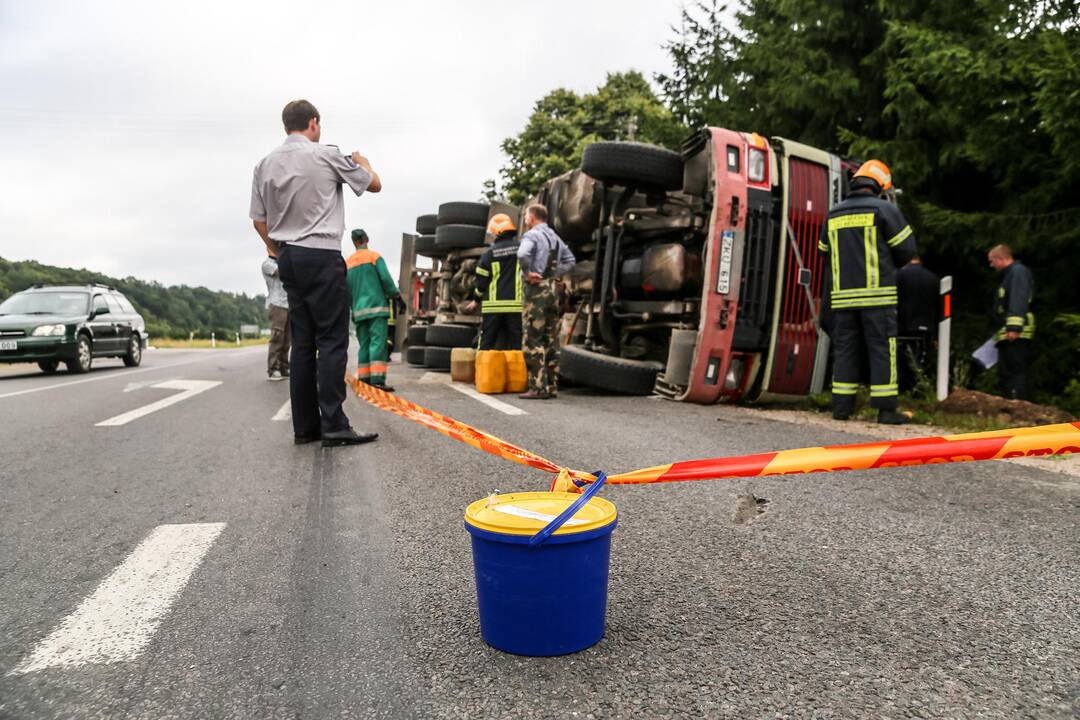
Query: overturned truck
[{"x": 700, "y": 277}]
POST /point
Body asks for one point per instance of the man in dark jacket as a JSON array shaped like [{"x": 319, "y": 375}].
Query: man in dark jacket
[
  {"x": 499, "y": 288},
  {"x": 1014, "y": 320},
  {"x": 918, "y": 294},
  {"x": 865, "y": 239}
]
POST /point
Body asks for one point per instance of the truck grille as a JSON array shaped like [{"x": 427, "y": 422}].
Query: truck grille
[{"x": 751, "y": 323}]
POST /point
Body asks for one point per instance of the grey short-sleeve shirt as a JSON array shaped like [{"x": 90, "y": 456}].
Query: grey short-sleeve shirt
[{"x": 296, "y": 191}]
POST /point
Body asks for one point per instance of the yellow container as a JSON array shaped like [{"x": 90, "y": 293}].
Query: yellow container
[
  {"x": 463, "y": 365},
  {"x": 491, "y": 371},
  {"x": 517, "y": 376}
]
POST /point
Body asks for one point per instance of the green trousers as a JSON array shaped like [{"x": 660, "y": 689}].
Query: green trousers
[{"x": 373, "y": 353}]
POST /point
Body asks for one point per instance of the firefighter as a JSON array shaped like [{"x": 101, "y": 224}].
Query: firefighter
[
  {"x": 498, "y": 288},
  {"x": 373, "y": 291},
  {"x": 865, "y": 239},
  {"x": 1014, "y": 320}
]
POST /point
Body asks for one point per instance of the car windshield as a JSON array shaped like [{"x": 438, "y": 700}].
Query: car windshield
[{"x": 45, "y": 303}]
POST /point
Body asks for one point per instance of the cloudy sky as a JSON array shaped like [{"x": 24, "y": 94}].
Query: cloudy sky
[{"x": 129, "y": 130}]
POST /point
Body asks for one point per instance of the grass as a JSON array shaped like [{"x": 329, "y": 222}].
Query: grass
[
  {"x": 197, "y": 344},
  {"x": 923, "y": 412}
]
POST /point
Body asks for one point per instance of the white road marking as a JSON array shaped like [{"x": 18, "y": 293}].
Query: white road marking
[
  {"x": 124, "y": 374},
  {"x": 190, "y": 388},
  {"x": 433, "y": 378},
  {"x": 117, "y": 621},
  {"x": 285, "y": 413}
]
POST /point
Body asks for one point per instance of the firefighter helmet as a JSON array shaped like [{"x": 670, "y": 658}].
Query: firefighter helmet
[
  {"x": 501, "y": 223},
  {"x": 877, "y": 171}
]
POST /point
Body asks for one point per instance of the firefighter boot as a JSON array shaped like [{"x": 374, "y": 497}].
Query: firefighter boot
[{"x": 892, "y": 417}]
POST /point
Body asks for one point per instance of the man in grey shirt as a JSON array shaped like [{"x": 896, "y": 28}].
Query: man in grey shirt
[
  {"x": 298, "y": 211},
  {"x": 277, "y": 307}
]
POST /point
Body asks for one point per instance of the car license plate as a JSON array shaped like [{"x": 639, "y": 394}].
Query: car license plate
[{"x": 9, "y": 345}]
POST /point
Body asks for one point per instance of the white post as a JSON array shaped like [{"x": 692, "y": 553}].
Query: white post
[
  {"x": 213, "y": 341},
  {"x": 944, "y": 334},
  {"x": 237, "y": 338}
]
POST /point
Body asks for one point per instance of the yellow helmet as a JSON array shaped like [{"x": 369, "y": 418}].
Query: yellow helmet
[
  {"x": 876, "y": 171},
  {"x": 500, "y": 223}
]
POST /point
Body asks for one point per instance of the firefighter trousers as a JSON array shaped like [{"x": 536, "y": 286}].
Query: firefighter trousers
[
  {"x": 869, "y": 334},
  {"x": 373, "y": 352},
  {"x": 501, "y": 331}
]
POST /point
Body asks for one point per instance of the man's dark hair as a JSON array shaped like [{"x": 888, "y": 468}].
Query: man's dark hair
[
  {"x": 539, "y": 212},
  {"x": 297, "y": 115},
  {"x": 864, "y": 183}
]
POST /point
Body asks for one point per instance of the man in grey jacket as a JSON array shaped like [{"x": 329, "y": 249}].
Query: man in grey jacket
[{"x": 543, "y": 258}]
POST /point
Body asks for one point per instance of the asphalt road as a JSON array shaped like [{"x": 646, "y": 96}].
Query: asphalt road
[{"x": 340, "y": 584}]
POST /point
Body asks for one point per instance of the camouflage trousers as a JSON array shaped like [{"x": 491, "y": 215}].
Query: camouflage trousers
[{"x": 540, "y": 321}]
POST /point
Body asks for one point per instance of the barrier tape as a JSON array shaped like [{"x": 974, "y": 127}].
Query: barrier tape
[{"x": 969, "y": 447}]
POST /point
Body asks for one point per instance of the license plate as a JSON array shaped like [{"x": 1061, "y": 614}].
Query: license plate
[
  {"x": 723, "y": 275},
  {"x": 9, "y": 345}
]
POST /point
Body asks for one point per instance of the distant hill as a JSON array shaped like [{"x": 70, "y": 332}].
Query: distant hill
[{"x": 172, "y": 311}]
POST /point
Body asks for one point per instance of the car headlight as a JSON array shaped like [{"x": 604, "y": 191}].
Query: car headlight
[
  {"x": 48, "y": 330},
  {"x": 756, "y": 165}
]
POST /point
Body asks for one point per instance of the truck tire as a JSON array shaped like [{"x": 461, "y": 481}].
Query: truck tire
[
  {"x": 426, "y": 224},
  {"x": 636, "y": 164},
  {"x": 425, "y": 245},
  {"x": 453, "y": 237},
  {"x": 450, "y": 336},
  {"x": 464, "y": 213},
  {"x": 414, "y": 355},
  {"x": 606, "y": 372},
  {"x": 417, "y": 335},
  {"x": 437, "y": 358}
]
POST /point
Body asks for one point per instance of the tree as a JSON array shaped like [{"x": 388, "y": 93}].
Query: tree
[{"x": 563, "y": 123}]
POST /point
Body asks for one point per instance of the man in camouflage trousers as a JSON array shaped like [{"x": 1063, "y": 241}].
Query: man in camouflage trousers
[{"x": 543, "y": 258}]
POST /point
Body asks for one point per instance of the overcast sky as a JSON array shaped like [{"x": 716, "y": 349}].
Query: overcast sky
[{"x": 129, "y": 130}]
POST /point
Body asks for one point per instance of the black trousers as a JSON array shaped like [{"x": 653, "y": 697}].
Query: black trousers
[
  {"x": 501, "y": 331},
  {"x": 1013, "y": 358},
  {"x": 868, "y": 334},
  {"x": 914, "y": 355},
  {"x": 319, "y": 301}
]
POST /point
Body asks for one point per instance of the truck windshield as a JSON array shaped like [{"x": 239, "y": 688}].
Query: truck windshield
[{"x": 46, "y": 303}]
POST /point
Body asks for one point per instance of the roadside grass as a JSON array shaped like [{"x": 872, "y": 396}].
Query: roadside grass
[
  {"x": 923, "y": 412},
  {"x": 172, "y": 344}
]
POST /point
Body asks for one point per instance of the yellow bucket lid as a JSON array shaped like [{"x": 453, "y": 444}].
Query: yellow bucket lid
[{"x": 529, "y": 512}]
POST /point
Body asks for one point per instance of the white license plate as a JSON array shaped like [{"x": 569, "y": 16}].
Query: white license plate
[
  {"x": 723, "y": 275},
  {"x": 9, "y": 345}
]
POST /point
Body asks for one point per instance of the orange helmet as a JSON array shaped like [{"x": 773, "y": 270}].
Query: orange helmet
[
  {"x": 876, "y": 171},
  {"x": 501, "y": 223}
]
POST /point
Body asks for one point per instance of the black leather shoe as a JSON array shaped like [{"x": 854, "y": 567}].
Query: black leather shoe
[
  {"x": 385, "y": 388},
  {"x": 892, "y": 417},
  {"x": 348, "y": 436},
  {"x": 305, "y": 439}
]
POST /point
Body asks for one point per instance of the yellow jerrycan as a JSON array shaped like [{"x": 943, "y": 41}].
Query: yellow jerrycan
[
  {"x": 517, "y": 376},
  {"x": 491, "y": 372},
  {"x": 463, "y": 365}
]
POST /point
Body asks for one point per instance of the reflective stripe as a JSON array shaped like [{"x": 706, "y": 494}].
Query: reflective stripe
[
  {"x": 518, "y": 291},
  {"x": 364, "y": 312},
  {"x": 858, "y": 220},
  {"x": 822, "y": 247},
  {"x": 844, "y": 388},
  {"x": 900, "y": 236},
  {"x": 873, "y": 276},
  {"x": 834, "y": 257},
  {"x": 378, "y": 368},
  {"x": 849, "y": 303},
  {"x": 493, "y": 288},
  {"x": 1015, "y": 320},
  {"x": 864, "y": 292},
  {"x": 892, "y": 362},
  {"x": 483, "y": 272}
]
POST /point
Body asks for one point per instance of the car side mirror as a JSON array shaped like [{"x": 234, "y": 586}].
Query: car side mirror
[{"x": 99, "y": 311}]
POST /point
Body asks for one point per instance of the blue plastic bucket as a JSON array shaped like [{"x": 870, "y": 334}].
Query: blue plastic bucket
[{"x": 542, "y": 588}]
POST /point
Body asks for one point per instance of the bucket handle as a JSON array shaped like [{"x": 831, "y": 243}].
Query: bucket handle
[{"x": 568, "y": 513}]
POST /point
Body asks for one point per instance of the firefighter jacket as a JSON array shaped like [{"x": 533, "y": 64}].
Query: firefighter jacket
[
  {"x": 866, "y": 239},
  {"x": 498, "y": 282},
  {"x": 1012, "y": 305},
  {"x": 370, "y": 285}
]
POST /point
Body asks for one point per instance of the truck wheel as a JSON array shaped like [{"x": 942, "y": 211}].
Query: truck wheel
[
  {"x": 464, "y": 213},
  {"x": 417, "y": 335},
  {"x": 606, "y": 372},
  {"x": 84, "y": 356},
  {"x": 451, "y": 336},
  {"x": 451, "y": 237},
  {"x": 437, "y": 358},
  {"x": 133, "y": 356},
  {"x": 425, "y": 245},
  {"x": 426, "y": 224},
  {"x": 629, "y": 163},
  {"x": 414, "y": 355},
  {"x": 48, "y": 366}
]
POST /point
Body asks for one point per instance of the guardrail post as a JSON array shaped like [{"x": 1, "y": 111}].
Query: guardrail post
[{"x": 944, "y": 337}]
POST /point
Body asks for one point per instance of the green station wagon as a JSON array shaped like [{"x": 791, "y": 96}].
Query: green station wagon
[{"x": 70, "y": 324}]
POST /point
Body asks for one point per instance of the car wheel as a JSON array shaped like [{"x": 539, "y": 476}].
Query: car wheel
[
  {"x": 451, "y": 336},
  {"x": 633, "y": 164},
  {"x": 134, "y": 352},
  {"x": 437, "y": 358},
  {"x": 417, "y": 335},
  {"x": 426, "y": 224},
  {"x": 464, "y": 213},
  {"x": 48, "y": 366},
  {"x": 606, "y": 372},
  {"x": 414, "y": 355},
  {"x": 451, "y": 237},
  {"x": 84, "y": 356}
]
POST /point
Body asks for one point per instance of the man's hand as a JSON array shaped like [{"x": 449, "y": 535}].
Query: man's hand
[
  {"x": 376, "y": 183},
  {"x": 470, "y": 308},
  {"x": 1012, "y": 335},
  {"x": 264, "y": 233},
  {"x": 533, "y": 278}
]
